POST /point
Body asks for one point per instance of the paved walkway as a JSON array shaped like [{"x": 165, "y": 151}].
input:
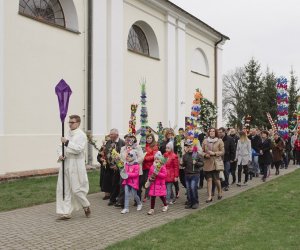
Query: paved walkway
[{"x": 36, "y": 227}]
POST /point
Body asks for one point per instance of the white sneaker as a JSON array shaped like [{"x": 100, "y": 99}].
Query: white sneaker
[
  {"x": 165, "y": 208},
  {"x": 170, "y": 202},
  {"x": 139, "y": 207},
  {"x": 151, "y": 211},
  {"x": 124, "y": 211}
]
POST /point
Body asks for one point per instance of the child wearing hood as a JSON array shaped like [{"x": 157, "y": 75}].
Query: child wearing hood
[
  {"x": 131, "y": 184},
  {"x": 157, "y": 179}
]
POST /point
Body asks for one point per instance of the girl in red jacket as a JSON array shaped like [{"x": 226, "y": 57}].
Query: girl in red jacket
[
  {"x": 151, "y": 149},
  {"x": 131, "y": 184},
  {"x": 157, "y": 179},
  {"x": 172, "y": 166}
]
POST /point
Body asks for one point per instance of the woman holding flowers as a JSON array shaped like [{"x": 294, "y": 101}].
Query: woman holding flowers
[{"x": 151, "y": 149}]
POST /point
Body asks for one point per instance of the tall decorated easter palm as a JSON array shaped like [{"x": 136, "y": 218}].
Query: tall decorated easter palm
[
  {"x": 192, "y": 123},
  {"x": 282, "y": 107},
  {"x": 144, "y": 115}
]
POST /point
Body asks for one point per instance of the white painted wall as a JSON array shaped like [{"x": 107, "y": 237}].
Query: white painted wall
[
  {"x": 36, "y": 57},
  {"x": 205, "y": 84},
  {"x": 137, "y": 67},
  {"x": 171, "y": 71},
  {"x": 2, "y": 116},
  {"x": 99, "y": 91},
  {"x": 2, "y": 32},
  {"x": 181, "y": 74},
  {"x": 116, "y": 64},
  {"x": 219, "y": 86}
]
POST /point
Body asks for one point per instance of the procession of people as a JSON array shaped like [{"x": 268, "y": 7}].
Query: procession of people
[{"x": 126, "y": 170}]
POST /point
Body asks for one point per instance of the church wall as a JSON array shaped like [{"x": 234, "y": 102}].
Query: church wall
[{"x": 36, "y": 57}]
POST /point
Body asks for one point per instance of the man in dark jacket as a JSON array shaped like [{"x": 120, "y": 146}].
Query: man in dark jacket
[
  {"x": 117, "y": 143},
  {"x": 228, "y": 157},
  {"x": 255, "y": 144},
  {"x": 233, "y": 164}
]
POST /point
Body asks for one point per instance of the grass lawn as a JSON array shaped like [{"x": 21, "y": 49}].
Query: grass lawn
[
  {"x": 266, "y": 217},
  {"x": 34, "y": 191}
]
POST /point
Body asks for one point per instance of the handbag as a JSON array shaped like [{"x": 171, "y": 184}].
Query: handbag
[
  {"x": 221, "y": 175},
  {"x": 219, "y": 164}
]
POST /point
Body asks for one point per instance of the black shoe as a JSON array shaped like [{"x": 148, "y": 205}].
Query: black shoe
[
  {"x": 220, "y": 197},
  {"x": 111, "y": 203},
  {"x": 106, "y": 197},
  {"x": 188, "y": 206},
  {"x": 208, "y": 201},
  {"x": 195, "y": 206},
  {"x": 226, "y": 188},
  {"x": 87, "y": 211},
  {"x": 119, "y": 205}
]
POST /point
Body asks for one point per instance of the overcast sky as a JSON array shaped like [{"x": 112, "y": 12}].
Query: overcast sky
[{"x": 268, "y": 30}]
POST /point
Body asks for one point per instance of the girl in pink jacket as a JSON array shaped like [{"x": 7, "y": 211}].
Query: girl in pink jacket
[
  {"x": 157, "y": 176},
  {"x": 131, "y": 184}
]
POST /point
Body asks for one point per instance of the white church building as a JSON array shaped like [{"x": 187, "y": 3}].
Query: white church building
[{"x": 102, "y": 49}]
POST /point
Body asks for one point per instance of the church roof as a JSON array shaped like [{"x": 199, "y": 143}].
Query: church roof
[{"x": 197, "y": 20}]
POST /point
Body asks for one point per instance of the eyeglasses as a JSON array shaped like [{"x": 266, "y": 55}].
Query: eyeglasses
[{"x": 72, "y": 122}]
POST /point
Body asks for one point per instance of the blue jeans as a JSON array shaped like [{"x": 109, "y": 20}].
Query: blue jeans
[
  {"x": 256, "y": 165},
  {"x": 169, "y": 186},
  {"x": 128, "y": 191},
  {"x": 191, "y": 182},
  {"x": 227, "y": 172}
]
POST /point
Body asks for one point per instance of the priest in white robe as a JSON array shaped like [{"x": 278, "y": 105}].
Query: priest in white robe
[{"x": 76, "y": 180}]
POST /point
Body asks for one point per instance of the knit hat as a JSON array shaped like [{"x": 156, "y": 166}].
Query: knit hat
[
  {"x": 170, "y": 145},
  {"x": 158, "y": 155},
  {"x": 132, "y": 136},
  {"x": 133, "y": 155}
]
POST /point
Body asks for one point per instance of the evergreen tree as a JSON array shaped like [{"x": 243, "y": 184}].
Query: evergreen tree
[
  {"x": 253, "y": 92},
  {"x": 293, "y": 92},
  {"x": 268, "y": 98}
]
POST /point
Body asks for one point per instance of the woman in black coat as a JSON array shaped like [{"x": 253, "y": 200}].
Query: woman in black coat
[{"x": 265, "y": 157}]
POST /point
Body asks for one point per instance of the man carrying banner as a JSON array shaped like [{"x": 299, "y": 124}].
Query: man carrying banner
[{"x": 76, "y": 180}]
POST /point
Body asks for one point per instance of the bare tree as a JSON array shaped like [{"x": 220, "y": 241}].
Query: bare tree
[{"x": 234, "y": 84}]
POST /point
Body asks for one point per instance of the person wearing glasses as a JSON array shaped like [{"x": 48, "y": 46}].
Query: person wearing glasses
[{"x": 75, "y": 177}]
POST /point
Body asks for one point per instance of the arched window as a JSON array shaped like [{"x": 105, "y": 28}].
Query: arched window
[
  {"x": 200, "y": 63},
  {"x": 137, "y": 40},
  {"x": 49, "y": 11},
  {"x": 142, "y": 39}
]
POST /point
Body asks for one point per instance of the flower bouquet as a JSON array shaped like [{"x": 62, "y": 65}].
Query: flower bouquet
[
  {"x": 157, "y": 167},
  {"x": 119, "y": 163}
]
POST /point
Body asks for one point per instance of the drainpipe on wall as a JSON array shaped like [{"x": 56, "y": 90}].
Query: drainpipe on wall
[
  {"x": 216, "y": 71},
  {"x": 89, "y": 76}
]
